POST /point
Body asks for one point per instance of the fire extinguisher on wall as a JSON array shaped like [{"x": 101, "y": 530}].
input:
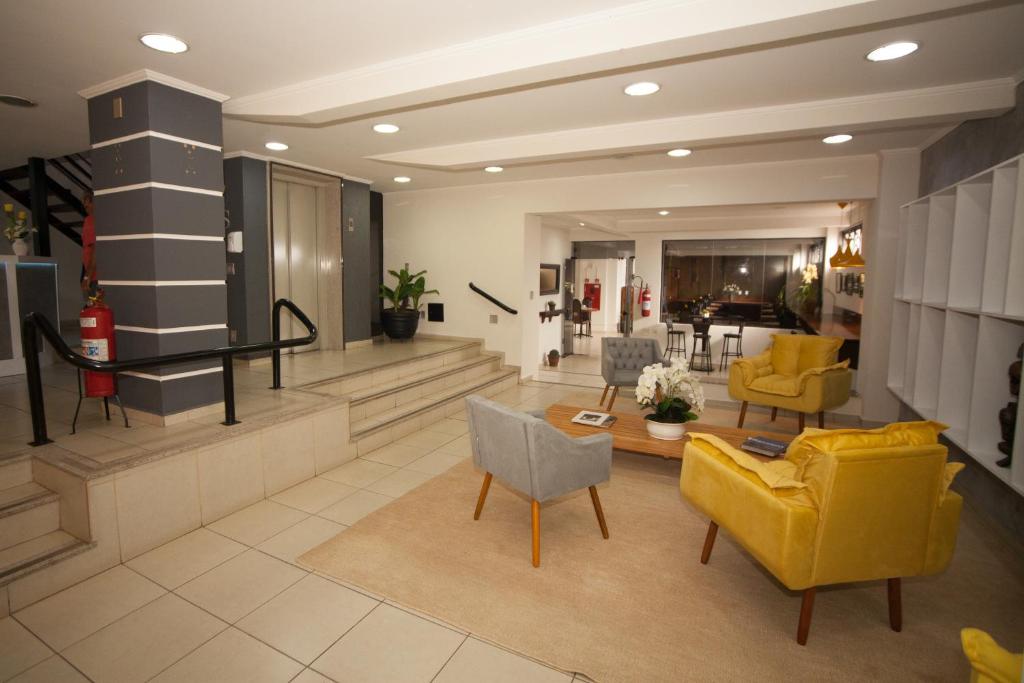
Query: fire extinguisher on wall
[
  {"x": 645, "y": 301},
  {"x": 96, "y": 322}
]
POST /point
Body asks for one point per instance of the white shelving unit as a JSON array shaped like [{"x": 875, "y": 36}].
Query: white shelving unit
[{"x": 958, "y": 318}]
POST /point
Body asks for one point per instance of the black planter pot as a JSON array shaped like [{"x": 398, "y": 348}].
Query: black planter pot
[{"x": 400, "y": 324}]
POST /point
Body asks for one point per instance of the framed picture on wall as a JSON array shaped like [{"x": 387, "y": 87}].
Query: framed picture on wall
[{"x": 550, "y": 278}]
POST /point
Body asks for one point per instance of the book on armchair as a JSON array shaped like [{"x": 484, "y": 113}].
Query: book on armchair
[
  {"x": 593, "y": 418},
  {"x": 762, "y": 445}
]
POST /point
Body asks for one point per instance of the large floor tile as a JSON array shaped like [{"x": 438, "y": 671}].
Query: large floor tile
[
  {"x": 314, "y": 495},
  {"x": 434, "y": 463},
  {"x": 19, "y": 649},
  {"x": 185, "y": 558},
  {"x": 85, "y": 608},
  {"x": 258, "y": 522},
  {"x": 460, "y": 447},
  {"x": 352, "y": 509},
  {"x": 306, "y": 535},
  {"x": 448, "y": 426},
  {"x": 399, "y": 483},
  {"x": 359, "y": 472},
  {"x": 240, "y": 585},
  {"x": 53, "y": 670},
  {"x": 479, "y": 661},
  {"x": 425, "y": 439},
  {"x": 307, "y": 618},
  {"x": 145, "y": 642},
  {"x": 396, "y": 454},
  {"x": 232, "y": 657},
  {"x": 390, "y": 645},
  {"x": 310, "y": 676}
]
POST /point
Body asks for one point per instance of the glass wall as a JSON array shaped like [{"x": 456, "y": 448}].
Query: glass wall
[{"x": 760, "y": 281}]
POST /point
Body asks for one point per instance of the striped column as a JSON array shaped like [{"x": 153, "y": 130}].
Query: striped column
[{"x": 159, "y": 212}]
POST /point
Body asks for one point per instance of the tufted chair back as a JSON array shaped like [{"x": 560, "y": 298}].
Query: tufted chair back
[{"x": 623, "y": 359}]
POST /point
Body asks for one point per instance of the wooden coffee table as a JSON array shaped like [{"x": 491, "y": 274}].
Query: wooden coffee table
[{"x": 629, "y": 433}]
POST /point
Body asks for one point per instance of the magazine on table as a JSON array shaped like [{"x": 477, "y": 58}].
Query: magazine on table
[
  {"x": 592, "y": 418},
  {"x": 762, "y": 445}
]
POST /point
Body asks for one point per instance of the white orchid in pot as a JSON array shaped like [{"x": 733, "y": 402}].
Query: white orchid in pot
[
  {"x": 675, "y": 395},
  {"x": 18, "y": 230}
]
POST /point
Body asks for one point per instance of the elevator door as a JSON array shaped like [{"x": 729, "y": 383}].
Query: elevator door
[{"x": 295, "y": 254}]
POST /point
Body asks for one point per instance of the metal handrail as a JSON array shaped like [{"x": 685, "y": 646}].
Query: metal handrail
[
  {"x": 33, "y": 322},
  {"x": 493, "y": 300}
]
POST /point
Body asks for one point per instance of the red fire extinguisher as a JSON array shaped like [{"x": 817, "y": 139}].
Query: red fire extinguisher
[
  {"x": 97, "y": 325},
  {"x": 645, "y": 302}
]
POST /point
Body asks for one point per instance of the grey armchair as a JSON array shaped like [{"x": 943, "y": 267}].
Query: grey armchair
[
  {"x": 623, "y": 359},
  {"x": 535, "y": 458}
]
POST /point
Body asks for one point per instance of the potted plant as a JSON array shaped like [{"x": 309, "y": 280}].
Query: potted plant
[
  {"x": 675, "y": 395},
  {"x": 17, "y": 230},
  {"x": 806, "y": 294},
  {"x": 553, "y": 357},
  {"x": 401, "y": 320},
  {"x": 730, "y": 290}
]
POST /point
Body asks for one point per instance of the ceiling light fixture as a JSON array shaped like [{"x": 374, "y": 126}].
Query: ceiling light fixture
[
  {"x": 276, "y": 146},
  {"x": 838, "y": 139},
  {"x": 582, "y": 224},
  {"x": 164, "y": 42},
  {"x": 642, "y": 88},
  {"x": 402, "y": 179},
  {"x": 494, "y": 169},
  {"x": 892, "y": 51},
  {"x": 386, "y": 128},
  {"x": 663, "y": 212},
  {"x": 16, "y": 101},
  {"x": 679, "y": 152}
]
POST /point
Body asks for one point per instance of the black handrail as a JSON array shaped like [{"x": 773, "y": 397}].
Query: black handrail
[
  {"x": 493, "y": 300},
  {"x": 34, "y": 322}
]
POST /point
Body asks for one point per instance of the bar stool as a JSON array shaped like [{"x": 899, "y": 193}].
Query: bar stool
[
  {"x": 727, "y": 338},
  {"x": 702, "y": 332},
  {"x": 676, "y": 340}
]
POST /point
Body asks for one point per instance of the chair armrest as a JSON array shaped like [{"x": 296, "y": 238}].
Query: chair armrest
[
  {"x": 562, "y": 464},
  {"x": 825, "y": 388},
  {"x": 754, "y": 366}
]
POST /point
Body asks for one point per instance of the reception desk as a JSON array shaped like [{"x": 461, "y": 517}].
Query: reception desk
[{"x": 27, "y": 283}]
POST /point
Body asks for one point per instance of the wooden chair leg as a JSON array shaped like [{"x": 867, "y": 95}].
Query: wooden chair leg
[
  {"x": 535, "y": 510},
  {"x": 895, "y": 605},
  {"x": 775, "y": 413},
  {"x": 598, "y": 511},
  {"x": 611, "y": 401},
  {"x": 743, "y": 415},
  {"x": 800, "y": 422},
  {"x": 709, "y": 543},
  {"x": 821, "y": 419},
  {"x": 806, "y": 607},
  {"x": 604, "y": 395},
  {"x": 483, "y": 495}
]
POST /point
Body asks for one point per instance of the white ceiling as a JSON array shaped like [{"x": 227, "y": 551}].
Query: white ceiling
[{"x": 535, "y": 86}]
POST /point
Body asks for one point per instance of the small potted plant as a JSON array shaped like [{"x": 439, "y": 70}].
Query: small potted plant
[
  {"x": 17, "y": 230},
  {"x": 401, "y": 320},
  {"x": 674, "y": 394},
  {"x": 730, "y": 290},
  {"x": 553, "y": 357},
  {"x": 806, "y": 294}
]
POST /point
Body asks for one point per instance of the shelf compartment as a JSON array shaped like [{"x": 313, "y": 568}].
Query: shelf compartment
[
  {"x": 1000, "y": 227},
  {"x": 910, "y": 362},
  {"x": 956, "y": 382},
  {"x": 916, "y": 233},
  {"x": 928, "y": 361},
  {"x": 901, "y": 252},
  {"x": 1015, "y": 268},
  {"x": 898, "y": 333},
  {"x": 938, "y": 245},
  {"x": 970, "y": 229}
]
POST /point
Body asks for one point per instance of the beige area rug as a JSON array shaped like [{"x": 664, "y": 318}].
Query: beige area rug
[{"x": 640, "y": 606}]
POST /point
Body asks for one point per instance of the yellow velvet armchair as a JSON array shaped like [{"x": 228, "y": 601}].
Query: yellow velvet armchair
[
  {"x": 797, "y": 372},
  {"x": 989, "y": 662},
  {"x": 843, "y": 506}
]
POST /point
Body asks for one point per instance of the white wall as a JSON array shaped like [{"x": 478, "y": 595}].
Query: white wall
[
  {"x": 607, "y": 270},
  {"x": 485, "y": 234},
  {"x": 555, "y": 247}
]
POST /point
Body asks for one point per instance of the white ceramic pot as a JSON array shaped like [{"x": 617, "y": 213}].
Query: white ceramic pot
[
  {"x": 20, "y": 247},
  {"x": 666, "y": 431}
]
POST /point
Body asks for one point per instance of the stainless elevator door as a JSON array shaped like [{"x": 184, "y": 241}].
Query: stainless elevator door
[{"x": 295, "y": 254}]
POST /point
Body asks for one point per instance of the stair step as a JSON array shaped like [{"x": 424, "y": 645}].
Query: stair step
[
  {"x": 36, "y": 553},
  {"x": 61, "y": 208},
  {"x": 388, "y": 418},
  {"x": 15, "y": 471},
  {"x": 416, "y": 386},
  {"x": 26, "y": 511}
]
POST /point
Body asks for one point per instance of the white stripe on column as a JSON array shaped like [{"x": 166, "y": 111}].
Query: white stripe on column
[
  {"x": 177, "y": 375},
  {"x": 160, "y": 283},
  {"x": 158, "y": 186},
  {"x": 170, "y": 330},
  {"x": 155, "y": 134},
  {"x": 158, "y": 236}
]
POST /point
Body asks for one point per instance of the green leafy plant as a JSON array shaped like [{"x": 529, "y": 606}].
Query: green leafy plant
[{"x": 406, "y": 293}]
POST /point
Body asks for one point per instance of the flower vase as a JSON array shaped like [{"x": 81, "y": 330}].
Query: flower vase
[
  {"x": 666, "y": 431},
  {"x": 20, "y": 247}
]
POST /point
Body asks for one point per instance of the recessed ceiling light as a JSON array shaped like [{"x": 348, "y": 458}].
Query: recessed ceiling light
[
  {"x": 892, "y": 51},
  {"x": 679, "y": 152},
  {"x": 494, "y": 169},
  {"x": 642, "y": 88},
  {"x": 402, "y": 179},
  {"x": 16, "y": 101},
  {"x": 663, "y": 212},
  {"x": 837, "y": 139},
  {"x": 386, "y": 128},
  {"x": 276, "y": 146},
  {"x": 582, "y": 224},
  {"x": 164, "y": 42}
]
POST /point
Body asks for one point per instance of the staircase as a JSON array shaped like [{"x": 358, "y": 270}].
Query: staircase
[
  {"x": 30, "y": 533},
  {"x": 63, "y": 180}
]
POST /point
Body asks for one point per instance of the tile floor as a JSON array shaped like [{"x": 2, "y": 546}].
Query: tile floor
[{"x": 228, "y": 603}]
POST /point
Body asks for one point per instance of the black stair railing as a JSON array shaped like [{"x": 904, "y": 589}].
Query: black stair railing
[
  {"x": 37, "y": 322},
  {"x": 494, "y": 301}
]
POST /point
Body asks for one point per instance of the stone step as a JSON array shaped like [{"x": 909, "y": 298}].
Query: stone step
[
  {"x": 15, "y": 471},
  {"x": 38, "y": 553},
  {"x": 27, "y": 511}
]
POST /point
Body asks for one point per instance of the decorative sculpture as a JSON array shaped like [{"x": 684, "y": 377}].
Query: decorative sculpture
[{"x": 1008, "y": 415}]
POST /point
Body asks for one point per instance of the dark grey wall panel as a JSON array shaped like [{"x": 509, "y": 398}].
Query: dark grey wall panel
[
  {"x": 159, "y": 210},
  {"x": 172, "y": 396},
  {"x": 355, "y": 233},
  {"x": 376, "y": 260},
  {"x": 154, "y": 106},
  {"x": 248, "y": 289},
  {"x": 151, "y": 159},
  {"x": 148, "y": 259},
  {"x": 162, "y": 307},
  {"x": 972, "y": 147},
  {"x": 135, "y": 107},
  {"x": 144, "y": 344}
]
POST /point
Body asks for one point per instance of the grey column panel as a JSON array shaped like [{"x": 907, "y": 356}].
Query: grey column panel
[
  {"x": 150, "y": 159},
  {"x": 355, "y": 232},
  {"x": 157, "y": 107},
  {"x": 376, "y": 275},
  {"x": 6, "y": 349},
  {"x": 161, "y": 210},
  {"x": 248, "y": 289}
]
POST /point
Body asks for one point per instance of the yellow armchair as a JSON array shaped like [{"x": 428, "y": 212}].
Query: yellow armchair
[
  {"x": 798, "y": 372},
  {"x": 989, "y": 662},
  {"x": 843, "y": 506}
]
